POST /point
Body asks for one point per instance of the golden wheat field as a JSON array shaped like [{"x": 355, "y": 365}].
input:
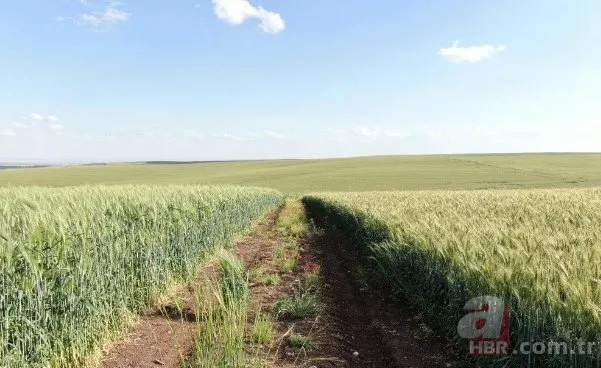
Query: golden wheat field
[{"x": 540, "y": 250}]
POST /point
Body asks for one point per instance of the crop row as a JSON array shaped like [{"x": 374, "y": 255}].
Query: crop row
[
  {"x": 538, "y": 250},
  {"x": 78, "y": 263}
]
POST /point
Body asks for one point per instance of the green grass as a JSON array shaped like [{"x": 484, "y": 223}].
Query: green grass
[
  {"x": 280, "y": 252},
  {"x": 234, "y": 280},
  {"x": 263, "y": 276},
  {"x": 290, "y": 264},
  {"x": 354, "y": 174},
  {"x": 220, "y": 336},
  {"x": 313, "y": 281},
  {"x": 78, "y": 263},
  {"x": 292, "y": 222},
  {"x": 300, "y": 341},
  {"x": 540, "y": 250},
  {"x": 304, "y": 303},
  {"x": 263, "y": 330}
]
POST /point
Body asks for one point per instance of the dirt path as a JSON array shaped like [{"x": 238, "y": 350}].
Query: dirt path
[
  {"x": 155, "y": 342},
  {"x": 166, "y": 337},
  {"x": 357, "y": 328},
  {"x": 384, "y": 332}
]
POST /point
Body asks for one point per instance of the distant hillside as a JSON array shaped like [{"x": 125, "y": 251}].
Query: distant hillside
[
  {"x": 13, "y": 166},
  {"x": 440, "y": 172}
]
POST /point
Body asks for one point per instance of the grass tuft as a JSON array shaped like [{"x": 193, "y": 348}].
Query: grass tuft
[
  {"x": 263, "y": 330},
  {"x": 262, "y": 276},
  {"x": 223, "y": 304},
  {"x": 300, "y": 305},
  {"x": 292, "y": 222},
  {"x": 300, "y": 341},
  {"x": 290, "y": 264}
]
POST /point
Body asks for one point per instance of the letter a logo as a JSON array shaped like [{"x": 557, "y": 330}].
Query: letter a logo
[{"x": 484, "y": 320}]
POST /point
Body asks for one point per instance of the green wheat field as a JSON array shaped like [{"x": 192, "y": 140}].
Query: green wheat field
[
  {"x": 352, "y": 174},
  {"x": 83, "y": 249}
]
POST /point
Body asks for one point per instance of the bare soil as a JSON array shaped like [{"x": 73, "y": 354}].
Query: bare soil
[
  {"x": 155, "y": 342},
  {"x": 385, "y": 332},
  {"x": 357, "y": 328},
  {"x": 165, "y": 337}
]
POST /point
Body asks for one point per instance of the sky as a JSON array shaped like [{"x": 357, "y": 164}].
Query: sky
[{"x": 132, "y": 80}]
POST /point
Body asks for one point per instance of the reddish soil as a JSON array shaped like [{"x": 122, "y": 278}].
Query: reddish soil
[
  {"x": 357, "y": 328},
  {"x": 164, "y": 338},
  {"x": 155, "y": 342},
  {"x": 383, "y": 332}
]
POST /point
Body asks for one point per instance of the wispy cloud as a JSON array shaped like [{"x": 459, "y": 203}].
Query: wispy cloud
[
  {"x": 271, "y": 134},
  {"x": 228, "y": 136},
  {"x": 363, "y": 134},
  {"x": 145, "y": 133},
  {"x": 238, "y": 11},
  {"x": 7, "y": 133},
  {"x": 268, "y": 134},
  {"x": 471, "y": 54},
  {"x": 36, "y": 120},
  {"x": 107, "y": 14},
  {"x": 34, "y": 116}
]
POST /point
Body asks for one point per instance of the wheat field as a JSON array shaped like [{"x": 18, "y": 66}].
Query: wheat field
[
  {"x": 78, "y": 263},
  {"x": 410, "y": 172},
  {"x": 540, "y": 250}
]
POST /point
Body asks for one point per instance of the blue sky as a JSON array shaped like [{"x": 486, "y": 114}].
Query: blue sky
[{"x": 89, "y": 80}]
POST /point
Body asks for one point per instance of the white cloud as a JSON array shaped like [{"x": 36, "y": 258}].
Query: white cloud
[
  {"x": 108, "y": 14},
  {"x": 111, "y": 14},
  {"x": 268, "y": 134},
  {"x": 398, "y": 135},
  {"x": 363, "y": 134},
  {"x": 367, "y": 132},
  {"x": 114, "y": 15},
  {"x": 471, "y": 54},
  {"x": 238, "y": 11},
  {"x": 34, "y": 116},
  {"x": 275, "y": 135},
  {"x": 33, "y": 120},
  {"x": 7, "y": 133},
  {"x": 185, "y": 133},
  {"x": 89, "y": 19},
  {"x": 228, "y": 136}
]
